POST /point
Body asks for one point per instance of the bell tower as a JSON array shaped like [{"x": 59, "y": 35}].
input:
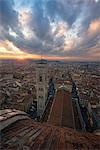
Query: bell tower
[{"x": 41, "y": 85}]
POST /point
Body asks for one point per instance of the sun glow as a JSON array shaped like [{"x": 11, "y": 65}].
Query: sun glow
[{"x": 21, "y": 58}]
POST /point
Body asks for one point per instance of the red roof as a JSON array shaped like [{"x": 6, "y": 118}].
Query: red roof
[
  {"x": 61, "y": 113},
  {"x": 30, "y": 135}
]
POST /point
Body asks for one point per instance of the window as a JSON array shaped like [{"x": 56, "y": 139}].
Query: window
[
  {"x": 40, "y": 97},
  {"x": 40, "y": 79},
  {"x": 40, "y": 89}
]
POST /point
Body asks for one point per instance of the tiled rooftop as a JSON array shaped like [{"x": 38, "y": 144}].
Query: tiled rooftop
[
  {"x": 30, "y": 135},
  {"x": 61, "y": 113}
]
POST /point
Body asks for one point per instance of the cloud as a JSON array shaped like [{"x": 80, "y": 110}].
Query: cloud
[
  {"x": 40, "y": 22},
  {"x": 60, "y": 28},
  {"x": 94, "y": 27},
  {"x": 8, "y": 16},
  {"x": 62, "y": 9},
  {"x": 91, "y": 38}
]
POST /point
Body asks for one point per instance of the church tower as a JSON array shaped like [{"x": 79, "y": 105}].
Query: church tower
[{"x": 41, "y": 85}]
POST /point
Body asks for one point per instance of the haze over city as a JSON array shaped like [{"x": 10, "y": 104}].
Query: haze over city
[{"x": 59, "y": 29}]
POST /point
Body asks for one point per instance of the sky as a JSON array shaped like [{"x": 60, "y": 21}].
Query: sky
[{"x": 56, "y": 29}]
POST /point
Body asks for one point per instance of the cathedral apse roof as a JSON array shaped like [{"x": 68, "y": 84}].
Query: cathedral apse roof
[{"x": 24, "y": 133}]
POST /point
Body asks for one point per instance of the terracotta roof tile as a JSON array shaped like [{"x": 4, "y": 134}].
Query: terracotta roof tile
[{"x": 30, "y": 135}]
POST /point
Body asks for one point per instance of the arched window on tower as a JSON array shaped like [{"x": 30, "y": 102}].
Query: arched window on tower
[{"x": 40, "y": 78}]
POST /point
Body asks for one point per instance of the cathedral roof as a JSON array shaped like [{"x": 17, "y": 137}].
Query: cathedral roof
[{"x": 24, "y": 133}]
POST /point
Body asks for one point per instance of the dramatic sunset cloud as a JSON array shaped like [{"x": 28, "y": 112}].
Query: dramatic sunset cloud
[{"x": 59, "y": 29}]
